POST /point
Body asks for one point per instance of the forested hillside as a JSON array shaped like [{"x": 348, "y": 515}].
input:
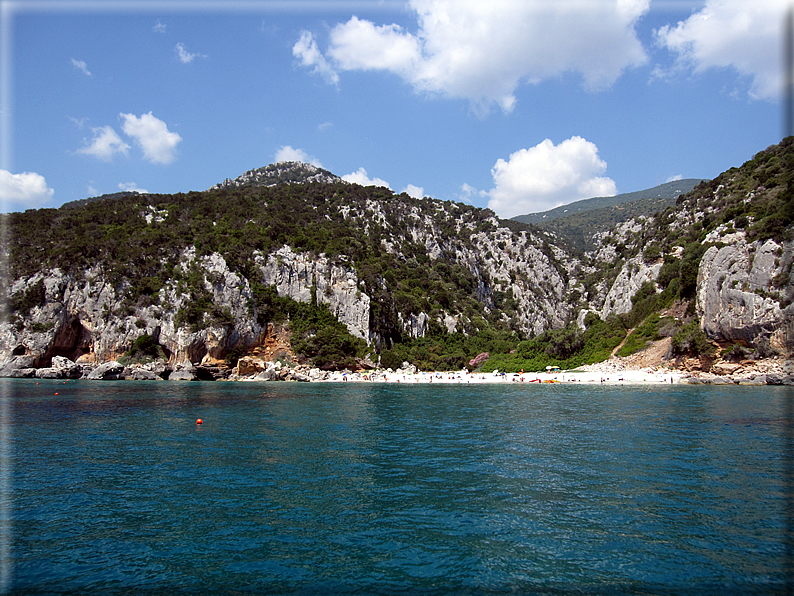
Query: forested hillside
[{"x": 359, "y": 275}]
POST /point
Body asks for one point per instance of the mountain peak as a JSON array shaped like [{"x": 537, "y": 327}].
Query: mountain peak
[{"x": 283, "y": 172}]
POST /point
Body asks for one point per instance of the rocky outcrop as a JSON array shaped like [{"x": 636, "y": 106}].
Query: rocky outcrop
[
  {"x": 741, "y": 290},
  {"x": 633, "y": 274},
  {"x": 109, "y": 371},
  {"x": 285, "y": 172},
  {"x": 141, "y": 374},
  {"x": 465, "y": 270},
  {"x": 305, "y": 277}
]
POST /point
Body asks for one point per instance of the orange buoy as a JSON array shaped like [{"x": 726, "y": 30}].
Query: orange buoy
[
  {"x": 56, "y": 393},
  {"x": 199, "y": 421}
]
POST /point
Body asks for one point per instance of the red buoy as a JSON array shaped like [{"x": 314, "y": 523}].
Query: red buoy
[{"x": 199, "y": 421}]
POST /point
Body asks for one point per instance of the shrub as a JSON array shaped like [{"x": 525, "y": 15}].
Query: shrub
[
  {"x": 691, "y": 340},
  {"x": 144, "y": 348},
  {"x": 33, "y": 295}
]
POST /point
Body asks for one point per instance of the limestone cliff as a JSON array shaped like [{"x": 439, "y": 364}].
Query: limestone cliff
[
  {"x": 744, "y": 293},
  {"x": 193, "y": 271}
]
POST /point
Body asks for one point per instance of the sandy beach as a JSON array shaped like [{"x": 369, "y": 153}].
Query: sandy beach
[{"x": 464, "y": 377}]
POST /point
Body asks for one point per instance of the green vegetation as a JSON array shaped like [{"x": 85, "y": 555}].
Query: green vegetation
[
  {"x": 442, "y": 351},
  {"x": 566, "y": 348},
  {"x": 690, "y": 339},
  {"x": 647, "y": 331},
  {"x": 144, "y": 349},
  {"x": 136, "y": 243},
  {"x": 34, "y": 295},
  {"x": 316, "y": 334}
]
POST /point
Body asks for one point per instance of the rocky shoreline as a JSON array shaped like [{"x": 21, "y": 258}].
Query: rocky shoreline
[{"x": 634, "y": 369}]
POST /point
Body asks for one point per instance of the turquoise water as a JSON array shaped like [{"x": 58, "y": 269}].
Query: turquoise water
[{"x": 294, "y": 488}]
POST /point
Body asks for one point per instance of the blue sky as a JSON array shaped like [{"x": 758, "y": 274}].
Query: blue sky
[{"x": 515, "y": 105}]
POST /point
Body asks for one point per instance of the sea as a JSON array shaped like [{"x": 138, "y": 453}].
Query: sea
[{"x": 111, "y": 487}]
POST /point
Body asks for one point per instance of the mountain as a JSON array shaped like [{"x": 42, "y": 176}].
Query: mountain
[
  {"x": 670, "y": 191},
  {"x": 284, "y": 172},
  {"x": 289, "y": 264}
]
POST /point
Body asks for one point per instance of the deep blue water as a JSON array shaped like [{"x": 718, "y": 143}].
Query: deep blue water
[{"x": 294, "y": 488}]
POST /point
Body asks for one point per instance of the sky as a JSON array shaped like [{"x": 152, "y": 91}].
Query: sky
[{"x": 515, "y": 105}]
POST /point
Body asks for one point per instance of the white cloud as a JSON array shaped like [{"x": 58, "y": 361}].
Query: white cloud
[
  {"x": 131, "y": 186},
  {"x": 738, "y": 34},
  {"x": 674, "y": 178},
  {"x": 23, "y": 191},
  {"x": 361, "y": 45},
  {"x": 310, "y": 56},
  {"x": 185, "y": 56},
  {"x": 325, "y": 126},
  {"x": 79, "y": 64},
  {"x": 105, "y": 144},
  {"x": 78, "y": 122},
  {"x": 159, "y": 27},
  {"x": 483, "y": 50},
  {"x": 467, "y": 192},
  {"x": 546, "y": 176},
  {"x": 360, "y": 177},
  {"x": 416, "y": 192},
  {"x": 287, "y": 153},
  {"x": 153, "y": 136}
]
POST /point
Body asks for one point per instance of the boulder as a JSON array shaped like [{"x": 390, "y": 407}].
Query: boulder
[
  {"x": 109, "y": 371},
  {"x": 315, "y": 374},
  {"x": 269, "y": 374},
  {"x": 250, "y": 365},
  {"x": 721, "y": 381},
  {"x": 17, "y": 363},
  {"x": 19, "y": 373},
  {"x": 296, "y": 376},
  {"x": 725, "y": 368},
  {"x": 141, "y": 374},
  {"x": 49, "y": 373},
  {"x": 753, "y": 380},
  {"x": 69, "y": 369},
  {"x": 185, "y": 374}
]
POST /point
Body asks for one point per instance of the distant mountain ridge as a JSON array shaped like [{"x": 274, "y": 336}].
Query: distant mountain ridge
[{"x": 669, "y": 190}]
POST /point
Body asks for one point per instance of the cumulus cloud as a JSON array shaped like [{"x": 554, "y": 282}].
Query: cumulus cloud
[
  {"x": 416, "y": 192},
  {"x": 674, "y": 178},
  {"x": 361, "y": 177},
  {"x": 310, "y": 56},
  {"x": 105, "y": 144},
  {"x": 744, "y": 36},
  {"x": 152, "y": 135},
  {"x": 548, "y": 175},
  {"x": 361, "y": 45},
  {"x": 483, "y": 50},
  {"x": 23, "y": 191},
  {"x": 159, "y": 27},
  {"x": 80, "y": 65},
  {"x": 184, "y": 56},
  {"x": 288, "y": 153}
]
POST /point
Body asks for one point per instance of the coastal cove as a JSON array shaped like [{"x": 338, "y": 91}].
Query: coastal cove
[{"x": 386, "y": 488}]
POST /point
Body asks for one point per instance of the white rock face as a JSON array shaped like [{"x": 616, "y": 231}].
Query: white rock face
[
  {"x": 297, "y": 275},
  {"x": 633, "y": 274},
  {"x": 737, "y": 299},
  {"x": 414, "y": 325}
]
